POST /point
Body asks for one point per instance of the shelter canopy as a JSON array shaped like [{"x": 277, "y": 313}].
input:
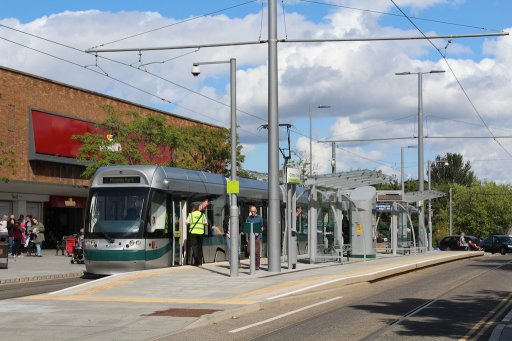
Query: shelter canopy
[{"x": 347, "y": 180}]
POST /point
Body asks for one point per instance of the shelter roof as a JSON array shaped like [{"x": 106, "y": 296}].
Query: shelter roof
[
  {"x": 425, "y": 195},
  {"x": 348, "y": 180}
]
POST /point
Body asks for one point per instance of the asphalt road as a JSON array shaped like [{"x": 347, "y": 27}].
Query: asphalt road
[{"x": 458, "y": 300}]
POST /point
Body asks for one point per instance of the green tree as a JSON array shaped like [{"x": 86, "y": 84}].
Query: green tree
[
  {"x": 451, "y": 169},
  {"x": 480, "y": 210},
  {"x": 7, "y": 162},
  {"x": 208, "y": 150},
  {"x": 138, "y": 140},
  {"x": 447, "y": 172}
]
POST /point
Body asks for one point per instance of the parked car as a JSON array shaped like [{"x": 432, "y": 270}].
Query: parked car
[
  {"x": 451, "y": 243},
  {"x": 497, "y": 243}
]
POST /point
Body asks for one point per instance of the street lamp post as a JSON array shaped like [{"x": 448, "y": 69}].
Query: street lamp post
[
  {"x": 311, "y": 135},
  {"x": 402, "y": 166},
  {"x": 429, "y": 207},
  {"x": 333, "y": 158},
  {"x": 233, "y": 208},
  {"x": 421, "y": 169}
]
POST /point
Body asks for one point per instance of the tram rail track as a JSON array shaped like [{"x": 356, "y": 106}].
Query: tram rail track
[{"x": 476, "y": 331}]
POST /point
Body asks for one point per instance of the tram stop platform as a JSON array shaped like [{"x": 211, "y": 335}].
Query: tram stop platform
[{"x": 146, "y": 305}]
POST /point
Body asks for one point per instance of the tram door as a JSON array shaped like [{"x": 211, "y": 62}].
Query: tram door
[
  {"x": 175, "y": 226},
  {"x": 158, "y": 232},
  {"x": 182, "y": 216}
]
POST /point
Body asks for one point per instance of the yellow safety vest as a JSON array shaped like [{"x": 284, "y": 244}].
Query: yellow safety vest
[{"x": 196, "y": 222}]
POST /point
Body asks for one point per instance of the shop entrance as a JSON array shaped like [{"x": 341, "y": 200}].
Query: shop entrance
[
  {"x": 60, "y": 222},
  {"x": 63, "y": 217}
]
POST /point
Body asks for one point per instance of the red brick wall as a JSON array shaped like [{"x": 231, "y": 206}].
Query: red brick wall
[{"x": 21, "y": 92}]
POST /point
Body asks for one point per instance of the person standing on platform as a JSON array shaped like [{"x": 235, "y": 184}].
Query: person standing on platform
[
  {"x": 196, "y": 222},
  {"x": 255, "y": 218},
  {"x": 10, "y": 225},
  {"x": 17, "y": 233},
  {"x": 38, "y": 230}
]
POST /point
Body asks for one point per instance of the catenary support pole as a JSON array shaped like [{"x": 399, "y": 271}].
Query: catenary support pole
[
  {"x": 233, "y": 209},
  {"x": 274, "y": 214}
]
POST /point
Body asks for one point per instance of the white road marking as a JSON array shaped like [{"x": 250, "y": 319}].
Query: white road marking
[
  {"x": 349, "y": 277},
  {"x": 284, "y": 315},
  {"x": 333, "y": 281},
  {"x": 94, "y": 282}
]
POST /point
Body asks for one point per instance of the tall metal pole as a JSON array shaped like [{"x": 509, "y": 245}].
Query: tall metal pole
[
  {"x": 274, "y": 214},
  {"x": 311, "y": 134},
  {"x": 402, "y": 176},
  {"x": 233, "y": 209},
  {"x": 451, "y": 211},
  {"x": 421, "y": 169},
  {"x": 421, "y": 166},
  {"x": 233, "y": 204},
  {"x": 429, "y": 207},
  {"x": 333, "y": 158},
  {"x": 402, "y": 169},
  {"x": 310, "y": 142},
  {"x": 289, "y": 215}
]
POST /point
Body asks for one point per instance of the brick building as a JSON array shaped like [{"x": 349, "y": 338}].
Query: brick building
[{"x": 38, "y": 117}]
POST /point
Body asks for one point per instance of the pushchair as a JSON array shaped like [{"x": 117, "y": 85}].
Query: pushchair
[
  {"x": 473, "y": 246},
  {"x": 78, "y": 253},
  {"x": 29, "y": 248}
]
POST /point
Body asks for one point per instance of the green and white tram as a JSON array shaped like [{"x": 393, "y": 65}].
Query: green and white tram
[{"x": 136, "y": 215}]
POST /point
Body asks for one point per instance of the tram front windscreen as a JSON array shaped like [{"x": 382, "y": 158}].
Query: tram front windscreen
[{"x": 116, "y": 212}]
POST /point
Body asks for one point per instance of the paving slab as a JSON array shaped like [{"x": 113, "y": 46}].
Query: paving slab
[{"x": 32, "y": 268}]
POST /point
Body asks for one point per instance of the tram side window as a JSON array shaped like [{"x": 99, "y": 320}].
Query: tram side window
[
  {"x": 156, "y": 224},
  {"x": 216, "y": 215}
]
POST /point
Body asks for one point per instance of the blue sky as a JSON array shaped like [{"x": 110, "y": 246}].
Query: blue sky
[{"x": 356, "y": 79}]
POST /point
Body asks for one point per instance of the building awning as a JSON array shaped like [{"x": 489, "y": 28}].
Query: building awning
[{"x": 65, "y": 202}]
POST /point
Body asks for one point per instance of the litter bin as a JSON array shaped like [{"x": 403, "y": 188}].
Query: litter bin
[
  {"x": 4, "y": 250},
  {"x": 70, "y": 245}
]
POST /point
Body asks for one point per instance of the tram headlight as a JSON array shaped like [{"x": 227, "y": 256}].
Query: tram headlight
[
  {"x": 91, "y": 242},
  {"x": 138, "y": 242},
  {"x": 132, "y": 242}
]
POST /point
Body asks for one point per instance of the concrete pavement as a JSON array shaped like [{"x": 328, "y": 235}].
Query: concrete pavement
[
  {"x": 145, "y": 305},
  {"x": 30, "y": 268}
]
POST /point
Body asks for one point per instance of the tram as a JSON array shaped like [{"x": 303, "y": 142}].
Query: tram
[{"x": 135, "y": 217}]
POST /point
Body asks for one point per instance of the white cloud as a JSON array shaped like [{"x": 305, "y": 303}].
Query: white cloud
[{"x": 357, "y": 79}]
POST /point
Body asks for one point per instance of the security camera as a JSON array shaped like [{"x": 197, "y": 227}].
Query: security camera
[{"x": 195, "y": 70}]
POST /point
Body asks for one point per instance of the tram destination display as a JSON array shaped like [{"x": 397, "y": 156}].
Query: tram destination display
[{"x": 121, "y": 179}]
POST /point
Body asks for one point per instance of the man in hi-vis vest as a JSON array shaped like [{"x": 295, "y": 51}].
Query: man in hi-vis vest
[{"x": 196, "y": 222}]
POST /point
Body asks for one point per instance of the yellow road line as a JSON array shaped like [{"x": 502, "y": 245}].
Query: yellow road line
[
  {"x": 485, "y": 322},
  {"x": 138, "y": 299}
]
